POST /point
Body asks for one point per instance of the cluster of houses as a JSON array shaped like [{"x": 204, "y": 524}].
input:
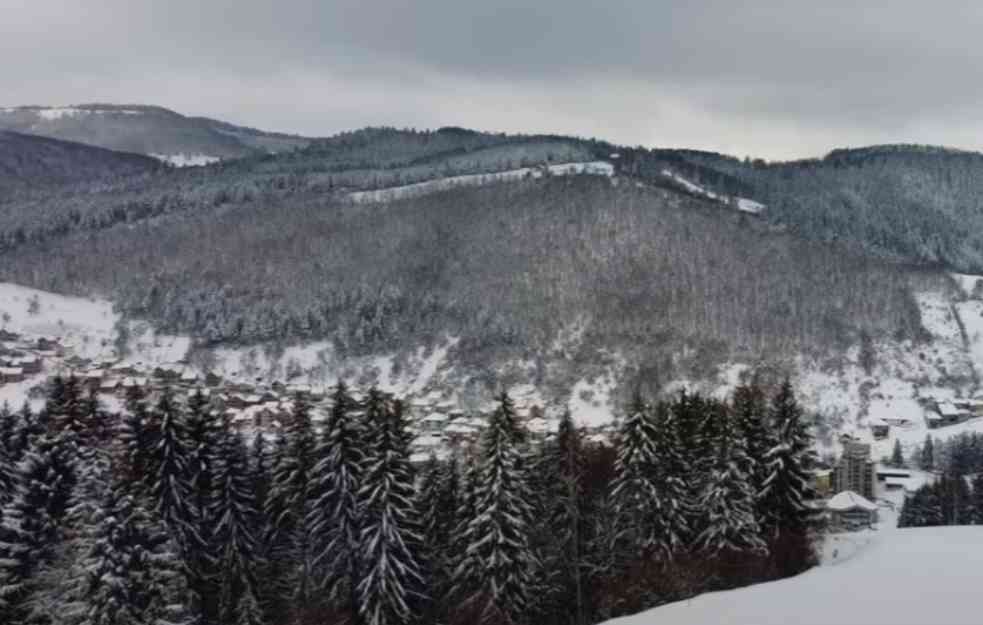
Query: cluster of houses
[
  {"x": 939, "y": 412},
  {"x": 254, "y": 404}
]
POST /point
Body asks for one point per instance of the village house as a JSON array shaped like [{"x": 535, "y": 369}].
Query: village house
[
  {"x": 7, "y": 335},
  {"x": 11, "y": 375},
  {"x": 878, "y": 428},
  {"x": 850, "y": 511}
]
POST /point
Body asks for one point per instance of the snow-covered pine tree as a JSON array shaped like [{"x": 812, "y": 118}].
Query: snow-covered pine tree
[
  {"x": 565, "y": 526},
  {"x": 927, "y": 458},
  {"x": 61, "y": 582},
  {"x": 897, "y": 455},
  {"x": 259, "y": 468},
  {"x": 976, "y": 500},
  {"x": 204, "y": 437},
  {"x": 8, "y": 449},
  {"x": 32, "y": 521},
  {"x": 650, "y": 493},
  {"x": 390, "y": 541},
  {"x": 287, "y": 505},
  {"x": 334, "y": 519},
  {"x": 172, "y": 492},
  {"x": 498, "y": 567},
  {"x": 235, "y": 517},
  {"x": 750, "y": 409},
  {"x": 786, "y": 488},
  {"x": 437, "y": 499},
  {"x": 134, "y": 449},
  {"x": 131, "y": 572},
  {"x": 728, "y": 501}
]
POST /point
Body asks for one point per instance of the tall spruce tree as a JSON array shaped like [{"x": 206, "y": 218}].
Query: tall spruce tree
[
  {"x": 786, "y": 488},
  {"x": 728, "y": 501},
  {"x": 132, "y": 574},
  {"x": 649, "y": 494},
  {"x": 32, "y": 522},
  {"x": 927, "y": 459},
  {"x": 286, "y": 507},
  {"x": 897, "y": 455},
  {"x": 236, "y": 523},
  {"x": 390, "y": 541},
  {"x": 498, "y": 567},
  {"x": 334, "y": 521},
  {"x": 171, "y": 489}
]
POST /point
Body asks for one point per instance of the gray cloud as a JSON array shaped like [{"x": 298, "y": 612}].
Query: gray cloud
[{"x": 778, "y": 79}]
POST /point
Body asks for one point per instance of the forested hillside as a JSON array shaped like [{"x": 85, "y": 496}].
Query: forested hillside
[
  {"x": 28, "y": 162},
  {"x": 652, "y": 268},
  {"x": 145, "y": 130},
  {"x": 909, "y": 203}
]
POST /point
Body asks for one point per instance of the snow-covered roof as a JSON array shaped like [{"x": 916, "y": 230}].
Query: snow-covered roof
[
  {"x": 849, "y": 500},
  {"x": 948, "y": 409},
  {"x": 876, "y": 422},
  {"x": 435, "y": 417}
]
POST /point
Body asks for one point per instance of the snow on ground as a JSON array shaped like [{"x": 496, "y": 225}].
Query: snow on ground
[
  {"x": 901, "y": 577},
  {"x": 971, "y": 314},
  {"x": 598, "y": 168},
  {"x": 56, "y": 113},
  {"x": 590, "y": 402},
  {"x": 741, "y": 203},
  {"x": 187, "y": 160},
  {"x": 84, "y": 324}
]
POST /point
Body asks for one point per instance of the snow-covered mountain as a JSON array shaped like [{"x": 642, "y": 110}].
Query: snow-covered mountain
[{"x": 150, "y": 130}]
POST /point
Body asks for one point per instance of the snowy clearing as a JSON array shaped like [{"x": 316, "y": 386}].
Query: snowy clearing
[
  {"x": 741, "y": 203},
  {"x": 187, "y": 160},
  {"x": 900, "y": 577},
  {"x": 597, "y": 168}
]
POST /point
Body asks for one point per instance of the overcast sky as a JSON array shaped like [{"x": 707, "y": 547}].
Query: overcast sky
[{"x": 777, "y": 79}]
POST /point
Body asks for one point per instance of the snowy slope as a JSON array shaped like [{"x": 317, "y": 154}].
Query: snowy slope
[
  {"x": 598, "y": 168},
  {"x": 903, "y": 577},
  {"x": 187, "y": 160},
  {"x": 742, "y": 204}
]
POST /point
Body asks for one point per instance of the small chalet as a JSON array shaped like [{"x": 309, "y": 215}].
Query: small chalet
[
  {"x": 7, "y": 335},
  {"x": 878, "y": 428},
  {"x": 850, "y": 511},
  {"x": 11, "y": 375}
]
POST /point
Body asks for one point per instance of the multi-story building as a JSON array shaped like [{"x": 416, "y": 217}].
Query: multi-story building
[{"x": 855, "y": 469}]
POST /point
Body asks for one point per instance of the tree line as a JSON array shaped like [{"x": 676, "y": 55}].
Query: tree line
[
  {"x": 166, "y": 513},
  {"x": 955, "y": 494}
]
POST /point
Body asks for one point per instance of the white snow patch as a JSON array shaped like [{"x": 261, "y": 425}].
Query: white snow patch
[
  {"x": 187, "y": 160},
  {"x": 598, "y": 168},
  {"x": 902, "y": 577},
  {"x": 741, "y": 203}
]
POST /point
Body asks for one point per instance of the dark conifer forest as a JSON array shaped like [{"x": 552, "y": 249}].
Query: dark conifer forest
[{"x": 167, "y": 513}]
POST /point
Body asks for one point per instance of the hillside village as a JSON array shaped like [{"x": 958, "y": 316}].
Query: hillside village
[{"x": 253, "y": 404}]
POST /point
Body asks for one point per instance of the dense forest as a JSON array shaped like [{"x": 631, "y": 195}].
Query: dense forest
[
  {"x": 167, "y": 514},
  {"x": 266, "y": 249}
]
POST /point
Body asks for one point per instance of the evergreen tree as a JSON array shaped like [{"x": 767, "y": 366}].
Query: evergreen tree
[
  {"x": 976, "y": 500},
  {"x": 786, "y": 488},
  {"x": 8, "y": 452},
  {"x": 334, "y": 520},
  {"x": 286, "y": 507},
  {"x": 390, "y": 542},
  {"x": 498, "y": 567},
  {"x": 132, "y": 577},
  {"x": 729, "y": 499},
  {"x": 648, "y": 496},
  {"x": 236, "y": 523},
  {"x": 897, "y": 456},
  {"x": 750, "y": 409},
  {"x": 927, "y": 460},
  {"x": 171, "y": 489},
  {"x": 565, "y": 522},
  {"x": 204, "y": 437},
  {"x": 32, "y": 522}
]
